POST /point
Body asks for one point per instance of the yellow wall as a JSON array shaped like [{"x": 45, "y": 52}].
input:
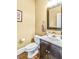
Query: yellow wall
[
  {"x": 34, "y": 14},
  {"x": 26, "y": 28},
  {"x": 40, "y": 16}
]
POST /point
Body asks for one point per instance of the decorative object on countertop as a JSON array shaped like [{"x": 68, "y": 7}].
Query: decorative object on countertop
[
  {"x": 19, "y": 16},
  {"x": 49, "y": 34}
]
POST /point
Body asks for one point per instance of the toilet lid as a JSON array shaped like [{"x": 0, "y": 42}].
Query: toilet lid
[{"x": 31, "y": 45}]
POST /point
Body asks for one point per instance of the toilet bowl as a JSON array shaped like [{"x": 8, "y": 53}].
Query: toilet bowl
[{"x": 32, "y": 48}]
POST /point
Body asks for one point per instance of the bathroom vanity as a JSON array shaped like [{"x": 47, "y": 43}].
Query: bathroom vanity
[{"x": 50, "y": 48}]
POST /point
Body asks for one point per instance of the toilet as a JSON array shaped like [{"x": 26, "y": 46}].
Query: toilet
[{"x": 32, "y": 48}]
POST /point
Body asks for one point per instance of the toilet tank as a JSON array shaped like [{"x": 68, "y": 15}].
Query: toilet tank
[{"x": 37, "y": 39}]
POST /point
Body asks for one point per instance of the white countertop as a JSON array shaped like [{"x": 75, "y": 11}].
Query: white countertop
[{"x": 52, "y": 40}]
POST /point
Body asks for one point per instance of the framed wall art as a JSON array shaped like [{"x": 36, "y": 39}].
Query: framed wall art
[{"x": 19, "y": 16}]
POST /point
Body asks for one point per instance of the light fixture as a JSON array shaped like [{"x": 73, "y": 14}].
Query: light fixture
[{"x": 53, "y": 2}]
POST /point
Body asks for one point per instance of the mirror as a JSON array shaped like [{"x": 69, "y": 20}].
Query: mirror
[{"x": 54, "y": 17}]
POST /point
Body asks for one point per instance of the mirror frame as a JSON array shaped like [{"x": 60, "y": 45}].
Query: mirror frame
[{"x": 55, "y": 28}]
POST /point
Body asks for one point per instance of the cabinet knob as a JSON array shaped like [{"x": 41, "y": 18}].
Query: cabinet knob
[{"x": 47, "y": 51}]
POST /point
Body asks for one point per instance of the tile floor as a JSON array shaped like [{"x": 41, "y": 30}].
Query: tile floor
[{"x": 24, "y": 56}]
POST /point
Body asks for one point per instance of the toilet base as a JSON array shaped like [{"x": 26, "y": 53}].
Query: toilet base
[{"x": 32, "y": 54}]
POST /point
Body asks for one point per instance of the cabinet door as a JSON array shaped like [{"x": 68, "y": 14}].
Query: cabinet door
[
  {"x": 56, "y": 51},
  {"x": 49, "y": 51},
  {"x": 44, "y": 46}
]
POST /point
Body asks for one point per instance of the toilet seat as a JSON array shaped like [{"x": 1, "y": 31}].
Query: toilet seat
[{"x": 31, "y": 47}]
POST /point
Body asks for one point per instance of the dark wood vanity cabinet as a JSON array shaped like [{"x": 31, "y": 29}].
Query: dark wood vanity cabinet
[
  {"x": 47, "y": 50},
  {"x": 56, "y": 51},
  {"x": 43, "y": 49}
]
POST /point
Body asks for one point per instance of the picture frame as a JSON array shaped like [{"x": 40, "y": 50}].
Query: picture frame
[{"x": 19, "y": 16}]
